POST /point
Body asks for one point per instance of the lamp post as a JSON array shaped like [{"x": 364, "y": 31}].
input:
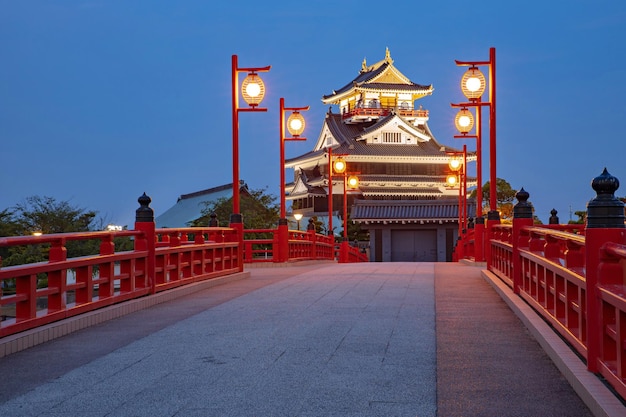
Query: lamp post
[
  {"x": 473, "y": 85},
  {"x": 253, "y": 92},
  {"x": 295, "y": 126},
  {"x": 352, "y": 182},
  {"x": 458, "y": 164},
  {"x": 330, "y": 192},
  {"x": 298, "y": 217}
]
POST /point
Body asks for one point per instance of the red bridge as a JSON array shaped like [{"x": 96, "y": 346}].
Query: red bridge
[{"x": 567, "y": 283}]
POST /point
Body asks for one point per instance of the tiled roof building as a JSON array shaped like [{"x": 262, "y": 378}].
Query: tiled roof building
[{"x": 403, "y": 198}]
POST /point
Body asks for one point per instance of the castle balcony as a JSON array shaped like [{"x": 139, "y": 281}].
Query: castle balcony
[{"x": 366, "y": 114}]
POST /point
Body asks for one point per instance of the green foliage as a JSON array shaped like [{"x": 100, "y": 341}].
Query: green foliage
[
  {"x": 582, "y": 217},
  {"x": 505, "y": 197},
  {"x": 355, "y": 232},
  {"x": 258, "y": 209},
  {"x": 45, "y": 215}
]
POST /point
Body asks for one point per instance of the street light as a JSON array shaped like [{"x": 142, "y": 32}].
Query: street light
[
  {"x": 295, "y": 126},
  {"x": 339, "y": 166},
  {"x": 253, "y": 92},
  {"x": 473, "y": 84},
  {"x": 298, "y": 217},
  {"x": 458, "y": 166}
]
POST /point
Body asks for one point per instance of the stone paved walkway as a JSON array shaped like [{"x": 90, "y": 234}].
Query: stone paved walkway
[{"x": 373, "y": 339}]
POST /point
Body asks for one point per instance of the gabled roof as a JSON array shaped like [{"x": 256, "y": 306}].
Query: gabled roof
[
  {"x": 302, "y": 187},
  {"x": 409, "y": 211},
  {"x": 382, "y": 76},
  {"x": 189, "y": 207}
]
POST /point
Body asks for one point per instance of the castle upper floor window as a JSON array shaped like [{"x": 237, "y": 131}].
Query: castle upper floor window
[{"x": 392, "y": 137}]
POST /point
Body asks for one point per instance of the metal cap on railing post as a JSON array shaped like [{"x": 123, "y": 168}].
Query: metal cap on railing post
[
  {"x": 523, "y": 209},
  {"x": 554, "y": 219},
  {"x": 144, "y": 213},
  {"x": 605, "y": 210}
]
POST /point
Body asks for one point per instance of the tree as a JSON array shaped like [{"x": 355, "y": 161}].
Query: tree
[
  {"x": 258, "y": 209},
  {"x": 45, "y": 215},
  {"x": 505, "y": 196}
]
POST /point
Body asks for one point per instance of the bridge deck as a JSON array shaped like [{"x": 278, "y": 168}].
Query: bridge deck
[{"x": 368, "y": 339}]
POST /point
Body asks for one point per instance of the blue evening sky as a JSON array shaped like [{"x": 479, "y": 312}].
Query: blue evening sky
[{"x": 102, "y": 100}]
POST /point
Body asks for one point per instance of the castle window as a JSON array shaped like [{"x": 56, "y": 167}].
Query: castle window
[{"x": 392, "y": 137}]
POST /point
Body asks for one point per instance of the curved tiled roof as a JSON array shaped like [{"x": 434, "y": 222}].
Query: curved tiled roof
[
  {"x": 408, "y": 210},
  {"x": 361, "y": 82}
]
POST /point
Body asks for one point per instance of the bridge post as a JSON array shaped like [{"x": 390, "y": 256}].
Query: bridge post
[
  {"x": 310, "y": 229},
  {"x": 144, "y": 222},
  {"x": 493, "y": 218},
  {"x": 281, "y": 242},
  {"x": 605, "y": 223},
  {"x": 479, "y": 239},
  {"x": 522, "y": 217},
  {"x": 236, "y": 222}
]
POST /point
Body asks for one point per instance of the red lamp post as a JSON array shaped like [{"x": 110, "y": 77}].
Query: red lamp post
[
  {"x": 330, "y": 193},
  {"x": 473, "y": 85},
  {"x": 339, "y": 166},
  {"x": 458, "y": 164},
  {"x": 252, "y": 91},
  {"x": 295, "y": 126}
]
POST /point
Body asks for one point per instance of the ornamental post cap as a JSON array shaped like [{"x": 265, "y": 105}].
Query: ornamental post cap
[
  {"x": 144, "y": 213},
  {"x": 523, "y": 209},
  {"x": 605, "y": 210}
]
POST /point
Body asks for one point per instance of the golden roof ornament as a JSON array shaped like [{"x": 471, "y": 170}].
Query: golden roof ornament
[
  {"x": 388, "y": 56},
  {"x": 364, "y": 66}
]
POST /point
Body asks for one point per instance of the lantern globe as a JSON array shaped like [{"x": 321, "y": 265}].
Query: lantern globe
[
  {"x": 353, "y": 182},
  {"x": 473, "y": 83},
  {"x": 455, "y": 163},
  {"x": 296, "y": 124},
  {"x": 339, "y": 166},
  {"x": 253, "y": 89},
  {"x": 464, "y": 121},
  {"x": 451, "y": 180}
]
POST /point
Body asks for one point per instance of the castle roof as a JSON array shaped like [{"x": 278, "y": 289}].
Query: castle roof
[{"x": 382, "y": 76}]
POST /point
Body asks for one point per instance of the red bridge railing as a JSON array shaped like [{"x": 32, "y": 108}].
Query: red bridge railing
[
  {"x": 262, "y": 245},
  {"x": 32, "y": 295},
  {"x": 573, "y": 275},
  {"x": 36, "y": 294}
]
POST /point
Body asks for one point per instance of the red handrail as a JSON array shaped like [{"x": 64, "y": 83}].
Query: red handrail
[{"x": 577, "y": 283}]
